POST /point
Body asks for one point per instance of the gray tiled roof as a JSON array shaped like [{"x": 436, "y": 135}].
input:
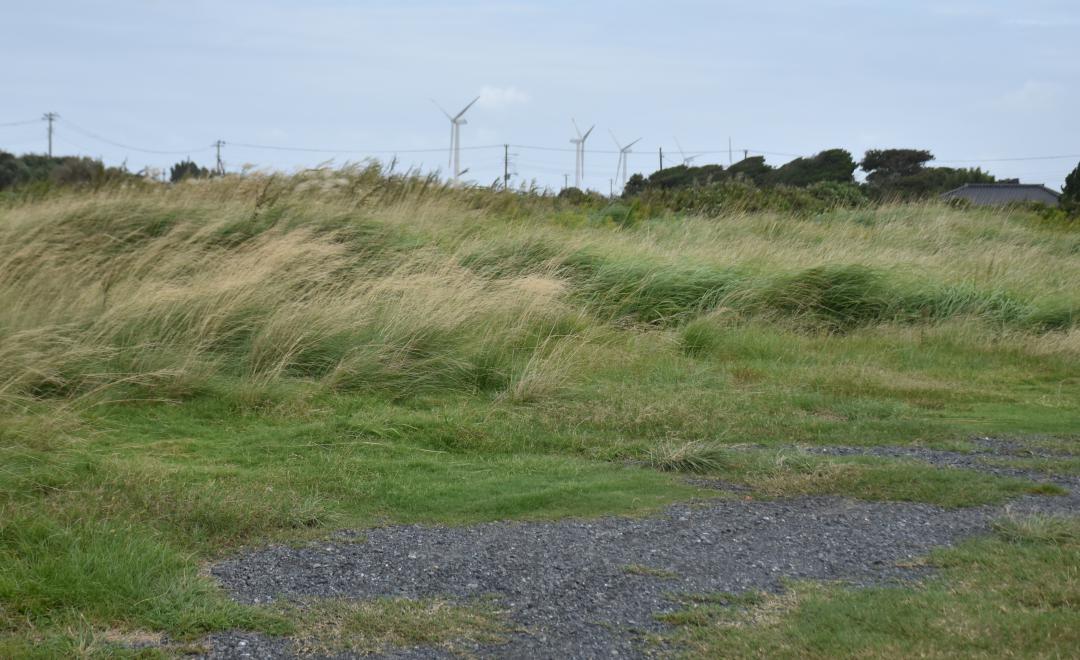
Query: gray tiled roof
[{"x": 997, "y": 194}]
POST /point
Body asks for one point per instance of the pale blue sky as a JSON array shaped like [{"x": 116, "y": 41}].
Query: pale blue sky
[{"x": 985, "y": 79}]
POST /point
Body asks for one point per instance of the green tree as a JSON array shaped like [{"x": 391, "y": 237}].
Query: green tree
[
  {"x": 635, "y": 185},
  {"x": 832, "y": 165},
  {"x": 933, "y": 181},
  {"x": 187, "y": 169},
  {"x": 673, "y": 178},
  {"x": 1070, "y": 192},
  {"x": 75, "y": 170},
  {"x": 12, "y": 170},
  {"x": 752, "y": 169},
  {"x": 885, "y": 165},
  {"x": 902, "y": 174},
  {"x": 55, "y": 170}
]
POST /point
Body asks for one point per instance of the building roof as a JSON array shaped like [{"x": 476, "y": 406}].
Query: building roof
[{"x": 991, "y": 194}]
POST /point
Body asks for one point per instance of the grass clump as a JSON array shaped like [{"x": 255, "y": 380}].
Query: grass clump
[
  {"x": 1016, "y": 592},
  {"x": 332, "y": 627},
  {"x": 649, "y": 571},
  {"x": 693, "y": 456}
]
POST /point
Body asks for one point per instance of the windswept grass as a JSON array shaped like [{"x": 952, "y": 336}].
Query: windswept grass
[{"x": 185, "y": 369}]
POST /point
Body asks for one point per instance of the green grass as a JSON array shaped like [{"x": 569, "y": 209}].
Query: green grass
[
  {"x": 788, "y": 473},
  {"x": 333, "y": 627},
  {"x": 186, "y": 371},
  {"x": 1015, "y": 594},
  {"x": 649, "y": 571},
  {"x": 1058, "y": 466}
]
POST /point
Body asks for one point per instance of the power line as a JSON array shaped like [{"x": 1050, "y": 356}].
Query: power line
[
  {"x": 114, "y": 143},
  {"x": 271, "y": 147},
  {"x": 1006, "y": 160},
  {"x": 78, "y": 147},
  {"x": 19, "y": 143},
  {"x": 533, "y": 147},
  {"x": 19, "y": 123},
  {"x": 51, "y": 117}
]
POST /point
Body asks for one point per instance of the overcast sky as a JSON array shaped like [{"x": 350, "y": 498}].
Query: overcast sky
[{"x": 970, "y": 80}]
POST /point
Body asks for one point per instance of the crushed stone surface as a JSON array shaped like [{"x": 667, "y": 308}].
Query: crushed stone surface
[{"x": 565, "y": 584}]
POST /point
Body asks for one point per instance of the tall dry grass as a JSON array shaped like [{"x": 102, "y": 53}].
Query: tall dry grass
[{"x": 358, "y": 280}]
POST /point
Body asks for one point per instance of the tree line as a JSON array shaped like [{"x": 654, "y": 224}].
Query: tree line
[
  {"x": 825, "y": 179},
  {"x": 43, "y": 170},
  {"x": 890, "y": 174}
]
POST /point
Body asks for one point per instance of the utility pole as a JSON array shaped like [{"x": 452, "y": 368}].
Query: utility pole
[
  {"x": 565, "y": 181},
  {"x": 611, "y": 188},
  {"x": 50, "y": 117},
  {"x": 220, "y": 167},
  {"x": 730, "y": 159},
  {"x": 745, "y": 154},
  {"x": 506, "y": 167},
  {"x": 661, "y": 158}
]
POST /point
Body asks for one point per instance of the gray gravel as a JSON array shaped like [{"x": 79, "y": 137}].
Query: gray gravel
[{"x": 565, "y": 582}]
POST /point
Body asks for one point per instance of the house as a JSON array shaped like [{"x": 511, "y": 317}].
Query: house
[{"x": 1003, "y": 192}]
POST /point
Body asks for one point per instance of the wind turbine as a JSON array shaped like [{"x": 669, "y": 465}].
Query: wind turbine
[
  {"x": 686, "y": 160},
  {"x": 579, "y": 153},
  {"x": 623, "y": 151},
  {"x": 456, "y": 122}
]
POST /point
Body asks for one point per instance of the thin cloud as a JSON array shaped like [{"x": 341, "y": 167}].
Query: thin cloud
[
  {"x": 498, "y": 98},
  {"x": 1039, "y": 22},
  {"x": 1034, "y": 95}
]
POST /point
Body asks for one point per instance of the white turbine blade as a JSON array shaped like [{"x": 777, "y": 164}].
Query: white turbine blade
[
  {"x": 627, "y": 147},
  {"x": 615, "y": 140},
  {"x": 466, "y": 108},
  {"x": 574, "y": 122},
  {"x": 442, "y": 110},
  {"x": 681, "y": 152},
  {"x": 586, "y": 136}
]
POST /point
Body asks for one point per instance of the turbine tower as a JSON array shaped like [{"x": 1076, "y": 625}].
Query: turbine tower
[
  {"x": 579, "y": 153},
  {"x": 623, "y": 151},
  {"x": 456, "y": 122},
  {"x": 686, "y": 160}
]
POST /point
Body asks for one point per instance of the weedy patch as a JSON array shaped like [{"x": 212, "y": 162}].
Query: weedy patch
[
  {"x": 753, "y": 608},
  {"x": 788, "y": 473},
  {"x": 650, "y": 571},
  {"x": 1060, "y": 465},
  {"x": 329, "y": 627}
]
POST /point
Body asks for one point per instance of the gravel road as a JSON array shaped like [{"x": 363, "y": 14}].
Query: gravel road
[{"x": 566, "y": 583}]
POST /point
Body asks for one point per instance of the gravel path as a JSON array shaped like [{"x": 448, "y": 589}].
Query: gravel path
[{"x": 566, "y": 584}]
